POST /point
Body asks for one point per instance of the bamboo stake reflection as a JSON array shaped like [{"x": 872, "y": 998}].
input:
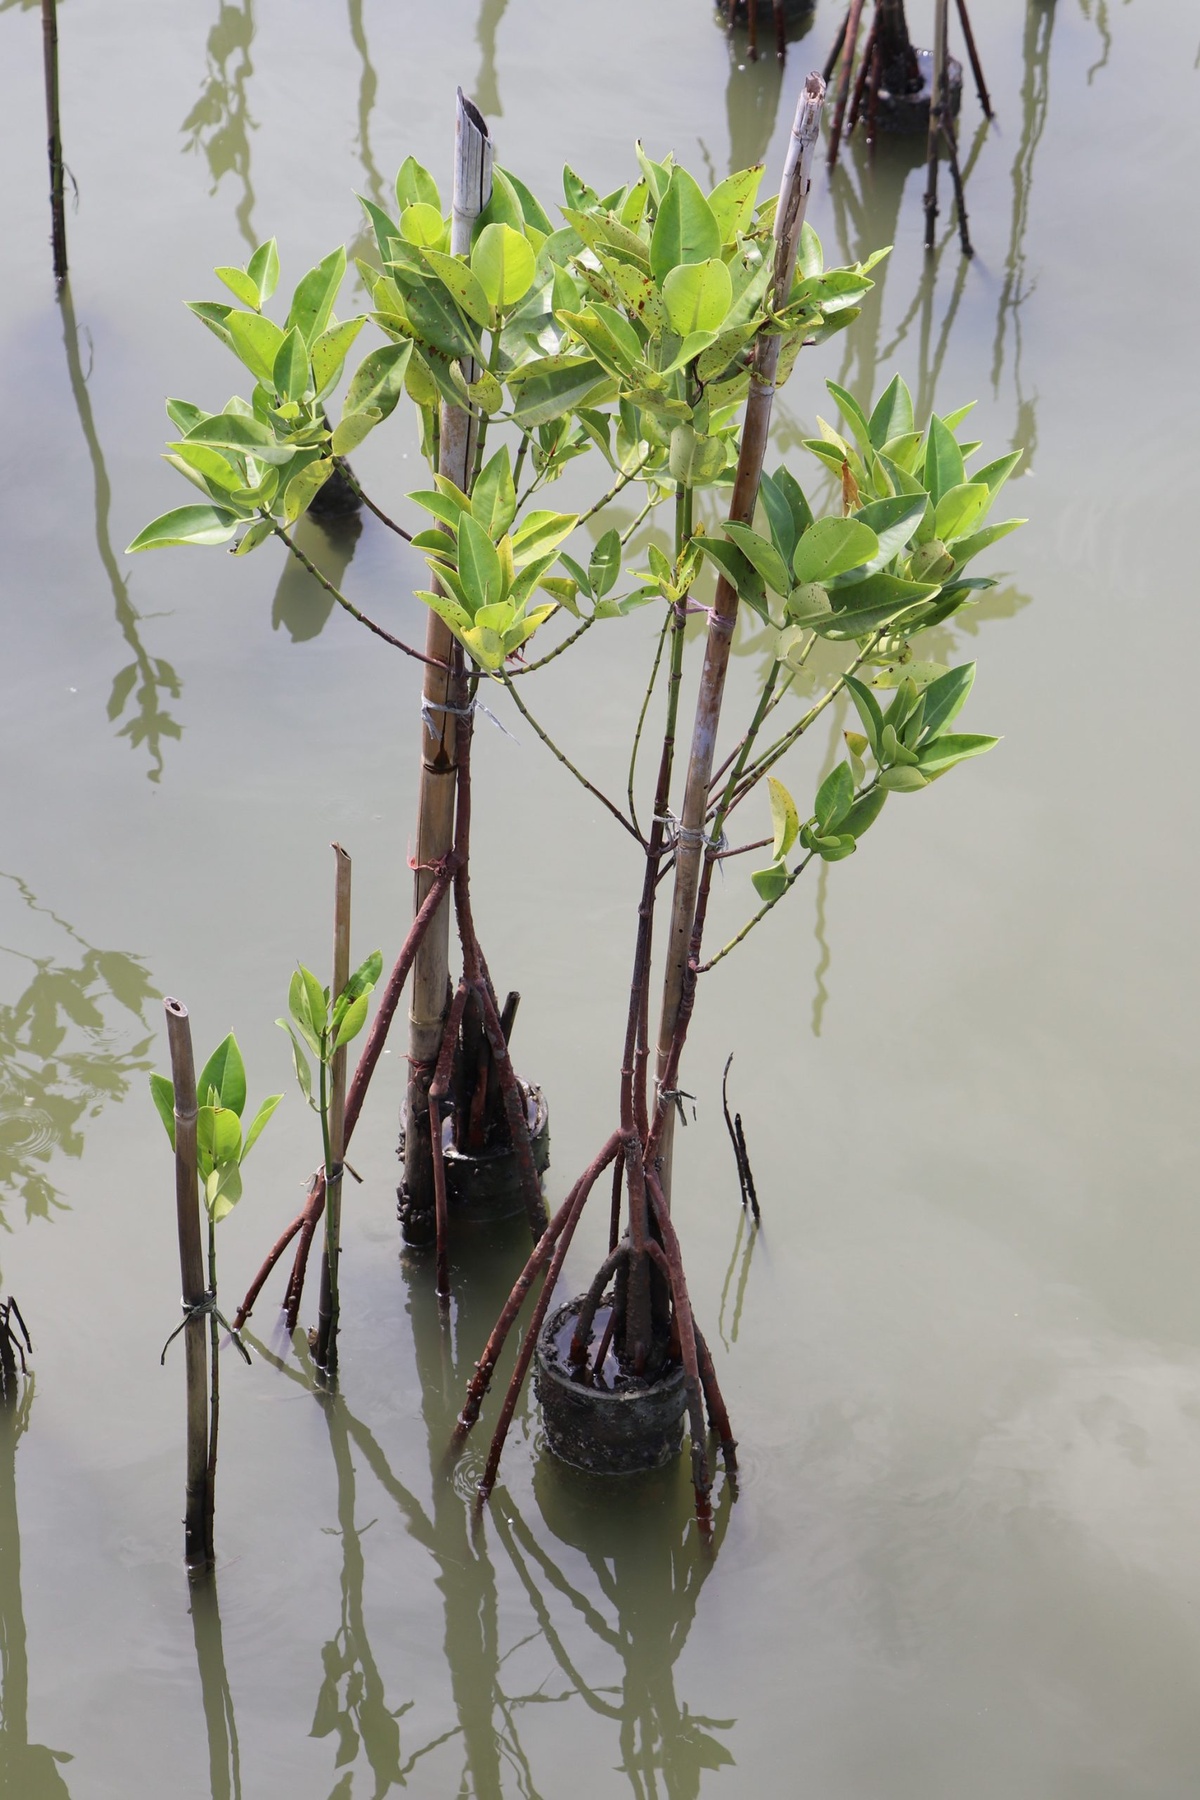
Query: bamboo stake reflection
[
  {"x": 224, "y": 1755},
  {"x": 649, "y": 1565},
  {"x": 147, "y": 678},
  {"x": 27, "y": 1771},
  {"x": 220, "y": 122}
]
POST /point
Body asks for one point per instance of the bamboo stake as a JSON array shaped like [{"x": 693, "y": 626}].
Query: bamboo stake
[
  {"x": 789, "y": 217},
  {"x": 443, "y": 690},
  {"x": 935, "y": 121},
  {"x": 327, "y": 1317},
  {"x": 843, "y": 93},
  {"x": 976, "y": 66},
  {"x": 54, "y": 138},
  {"x": 197, "y": 1525}
]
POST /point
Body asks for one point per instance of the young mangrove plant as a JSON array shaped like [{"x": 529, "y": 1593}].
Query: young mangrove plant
[
  {"x": 203, "y": 1120},
  {"x": 619, "y": 1365},
  {"x": 323, "y": 1020}
]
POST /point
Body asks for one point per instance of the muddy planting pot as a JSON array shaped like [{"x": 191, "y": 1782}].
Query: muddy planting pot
[
  {"x": 485, "y": 1188},
  {"x": 909, "y": 113},
  {"x": 617, "y": 1427}
]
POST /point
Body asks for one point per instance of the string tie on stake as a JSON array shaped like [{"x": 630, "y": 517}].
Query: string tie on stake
[
  {"x": 429, "y": 707},
  {"x": 199, "y": 1309}
]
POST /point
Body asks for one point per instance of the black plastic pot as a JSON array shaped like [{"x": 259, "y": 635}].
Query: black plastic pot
[
  {"x": 485, "y": 1188},
  {"x": 615, "y": 1429},
  {"x": 909, "y": 113}
]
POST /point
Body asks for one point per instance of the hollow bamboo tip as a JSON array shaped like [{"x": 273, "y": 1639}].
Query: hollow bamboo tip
[
  {"x": 814, "y": 87},
  {"x": 174, "y": 1009},
  {"x": 471, "y": 112}
]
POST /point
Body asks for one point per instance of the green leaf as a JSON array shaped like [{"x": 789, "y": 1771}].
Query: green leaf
[
  {"x": 835, "y": 797},
  {"x": 303, "y": 1072},
  {"x": 539, "y": 532},
  {"x": 833, "y": 849},
  {"x": 422, "y": 225},
  {"x": 256, "y": 343},
  {"x": 944, "y": 468},
  {"x": 329, "y": 352},
  {"x": 494, "y": 498},
  {"x": 290, "y": 373},
  {"x": 352, "y": 428},
  {"x": 764, "y": 556},
  {"x": 830, "y": 547},
  {"x": 479, "y": 565},
  {"x": 258, "y": 534},
  {"x": 945, "y": 699},
  {"x": 944, "y": 752},
  {"x": 259, "y": 1121},
  {"x": 378, "y": 380},
  {"x": 853, "y": 412},
  {"x": 461, "y": 281},
  {"x": 304, "y": 486},
  {"x": 310, "y": 1024},
  {"x": 995, "y": 474},
  {"x": 902, "y": 780},
  {"x": 531, "y": 208},
  {"x": 864, "y": 812},
  {"x": 686, "y": 229},
  {"x": 893, "y": 521},
  {"x": 505, "y": 264},
  {"x": 785, "y": 819},
  {"x": 162, "y": 1092},
  {"x": 363, "y": 978},
  {"x": 315, "y": 294},
  {"x": 732, "y": 202},
  {"x": 222, "y": 1191},
  {"x": 741, "y": 574},
  {"x": 263, "y": 270},
  {"x": 893, "y": 415},
  {"x": 353, "y": 1021},
  {"x": 414, "y": 184},
  {"x": 226, "y": 1072},
  {"x": 240, "y": 284},
  {"x": 605, "y": 563},
  {"x": 966, "y": 548},
  {"x": 878, "y": 600},
  {"x": 695, "y": 461},
  {"x": 959, "y": 511},
  {"x": 697, "y": 296},
  {"x": 552, "y": 386},
  {"x": 187, "y": 525},
  {"x": 770, "y": 884}
]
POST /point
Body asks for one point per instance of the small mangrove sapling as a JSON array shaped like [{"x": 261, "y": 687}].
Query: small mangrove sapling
[
  {"x": 206, "y": 1136},
  {"x": 323, "y": 1022}
]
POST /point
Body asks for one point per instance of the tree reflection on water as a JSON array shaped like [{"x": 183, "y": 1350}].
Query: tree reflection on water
[{"x": 61, "y": 1057}]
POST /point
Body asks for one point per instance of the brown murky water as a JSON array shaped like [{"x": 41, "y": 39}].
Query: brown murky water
[{"x": 964, "y": 1353}]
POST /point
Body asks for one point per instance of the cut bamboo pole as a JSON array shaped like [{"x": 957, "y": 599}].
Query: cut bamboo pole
[
  {"x": 325, "y": 1353},
  {"x": 197, "y": 1524},
  {"x": 936, "y": 98},
  {"x": 54, "y": 138},
  {"x": 689, "y": 850},
  {"x": 443, "y": 691},
  {"x": 850, "y": 44}
]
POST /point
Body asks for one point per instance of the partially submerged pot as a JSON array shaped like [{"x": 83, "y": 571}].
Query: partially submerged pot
[
  {"x": 909, "y": 112},
  {"x": 619, "y": 1424},
  {"x": 485, "y": 1187}
]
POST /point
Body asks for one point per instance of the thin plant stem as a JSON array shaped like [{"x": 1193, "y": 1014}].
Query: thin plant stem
[
  {"x": 333, "y": 1125},
  {"x": 618, "y": 487},
  {"x": 214, "y": 1404},
  {"x": 348, "y": 605},
  {"x": 356, "y": 487},
  {"x": 528, "y": 668},
  {"x": 565, "y": 760},
  {"x": 198, "y": 1543},
  {"x": 748, "y": 927},
  {"x": 637, "y": 736}
]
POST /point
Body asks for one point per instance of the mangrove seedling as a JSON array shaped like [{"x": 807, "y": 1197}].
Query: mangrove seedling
[
  {"x": 861, "y": 581},
  {"x": 203, "y": 1120},
  {"x": 323, "y": 1021}
]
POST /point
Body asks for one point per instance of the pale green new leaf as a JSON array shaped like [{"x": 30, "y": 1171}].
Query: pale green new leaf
[
  {"x": 785, "y": 818},
  {"x": 187, "y": 525}
]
